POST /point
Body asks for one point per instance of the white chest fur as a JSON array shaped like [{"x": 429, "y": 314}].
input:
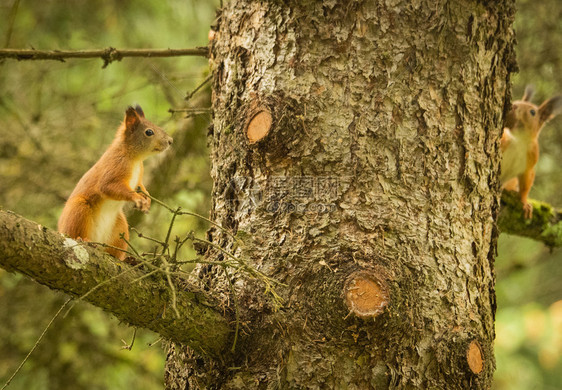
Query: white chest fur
[
  {"x": 514, "y": 159},
  {"x": 135, "y": 176},
  {"x": 109, "y": 210},
  {"x": 104, "y": 221}
]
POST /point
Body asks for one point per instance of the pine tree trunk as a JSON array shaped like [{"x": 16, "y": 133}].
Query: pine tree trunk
[{"x": 355, "y": 151}]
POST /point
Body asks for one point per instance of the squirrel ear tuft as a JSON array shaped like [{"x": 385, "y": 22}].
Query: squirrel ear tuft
[
  {"x": 528, "y": 94},
  {"x": 131, "y": 118},
  {"x": 550, "y": 108},
  {"x": 139, "y": 111}
]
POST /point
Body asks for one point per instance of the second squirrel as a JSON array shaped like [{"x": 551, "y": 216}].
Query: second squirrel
[{"x": 520, "y": 143}]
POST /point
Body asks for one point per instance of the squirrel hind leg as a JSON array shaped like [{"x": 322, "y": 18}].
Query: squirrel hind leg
[
  {"x": 120, "y": 227},
  {"x": 75, "y": 220},
  {"x": 511, "y": 185}
]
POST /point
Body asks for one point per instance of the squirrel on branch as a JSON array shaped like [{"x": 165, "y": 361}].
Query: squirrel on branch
[
  {"x": 94, "y": 210},
  {"x": 520, "y": 143}
]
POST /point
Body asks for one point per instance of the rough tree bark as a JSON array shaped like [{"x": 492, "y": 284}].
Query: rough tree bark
[
  {"x": 355, "y": 148},
  {"x": 355, "y": 154}
]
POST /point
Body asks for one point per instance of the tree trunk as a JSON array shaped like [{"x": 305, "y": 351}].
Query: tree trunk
[{"x": 355, "y": 152}]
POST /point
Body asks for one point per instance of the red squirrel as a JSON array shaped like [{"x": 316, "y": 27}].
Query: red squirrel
[
  {"x": 520, "y": 143},
  {"x": 94, "y": 210}
]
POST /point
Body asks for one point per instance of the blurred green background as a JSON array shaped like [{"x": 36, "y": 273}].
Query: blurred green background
[
  {"x": 529, "y": 275},
  {"x": 56, "y": 118}
]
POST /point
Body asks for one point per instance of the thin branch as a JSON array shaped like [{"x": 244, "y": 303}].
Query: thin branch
[
  {"x": 108, "y": 55},
  {"x": 179, "y": 212},
  {"x": 236, "y": 308},
  {"x": 190, "y": 94},
  {"x": 146, "y": 275},
  {"x": 155, "y": 342},
  {"x": 192, "y": 110},
  {"x": 129, "y": 346},
  {"x": 174, "y": 295},
  {"x": 241, "y": 265},
  {"x": 167, "y": 239},
  {"x": 266, "y": 280},
  {"x": 142, "y": 235}
]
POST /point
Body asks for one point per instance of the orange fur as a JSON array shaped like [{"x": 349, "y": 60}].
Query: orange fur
[
  {"x": 94, "y": 210},
  {"x": 520, "y": 144}
]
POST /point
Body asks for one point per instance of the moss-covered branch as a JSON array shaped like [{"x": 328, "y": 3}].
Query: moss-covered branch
[
  {"x": 76, "y": 268},
  {"x": 545, "y": 226}
]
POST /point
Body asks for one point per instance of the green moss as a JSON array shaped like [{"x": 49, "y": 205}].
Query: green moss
[
  {"x": 552, "y": 235},
  {"x": 544, "y": 226}
]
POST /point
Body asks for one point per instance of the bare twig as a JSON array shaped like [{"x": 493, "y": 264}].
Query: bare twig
[
  {"x": 266, "y": 280},
  {"x": 237, "y": 263},
  {"x": 167, "y": 240},
  {"x": 142, "y": 235},
  {"x": 192, "y": 110},
  {"x": 236, "y": 308},
  {"x": 155, "y": 342},
  {"x": 108, "y": 55},
  {"x": 173, "y": 289},
  {"x": 146, "y": 275},
  {"x": 190, "y": 94},
  {"x": 129, "y": 346},
  {"x": 190, "y": 213}
]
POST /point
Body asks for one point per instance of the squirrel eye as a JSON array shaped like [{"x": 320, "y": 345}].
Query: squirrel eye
[
  {"x": 149, "y": 132},
  {"x": 533, "y": 112}
]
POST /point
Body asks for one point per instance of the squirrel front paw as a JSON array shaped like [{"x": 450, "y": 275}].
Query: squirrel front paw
[
  {"x": 148, "y": 200},
  {"x": 142, "y": 203}
]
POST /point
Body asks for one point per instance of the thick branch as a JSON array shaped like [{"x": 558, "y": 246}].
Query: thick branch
[
  {"x": 62, "y": 264},
  {"x": 545, "y": 226},
  {"x": 109, "y": 54}
]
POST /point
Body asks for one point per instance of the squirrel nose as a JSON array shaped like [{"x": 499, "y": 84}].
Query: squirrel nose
[{"x": 170, "y": 141}]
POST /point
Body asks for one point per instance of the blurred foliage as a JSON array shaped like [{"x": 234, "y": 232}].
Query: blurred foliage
[
  {"x": 56, "y": 119},
  {"x": 529, "y": 292}
]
